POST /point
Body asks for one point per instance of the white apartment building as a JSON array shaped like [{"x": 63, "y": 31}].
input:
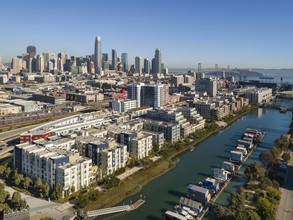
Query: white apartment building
[
  {"x": 113, "y": 158},
  {"x": 123, "y": 105},
  {"x": 141, "y": 146},
  {"x": 50, "y": 163},
  {"x": 77, "y": 174}
]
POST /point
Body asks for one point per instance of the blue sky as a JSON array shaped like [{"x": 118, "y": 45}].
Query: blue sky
[{"x": 239, "y": 33}]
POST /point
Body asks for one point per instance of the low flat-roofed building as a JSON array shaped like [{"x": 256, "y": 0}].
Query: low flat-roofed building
[
  {"x": 64, "y": 126},
  {"x": 85, "y": 97},
  {"x": 56, "y": 100},
  {"x": 8, "y": 109}
]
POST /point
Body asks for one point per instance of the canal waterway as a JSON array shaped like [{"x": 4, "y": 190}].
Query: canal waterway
[{"x": 194, "y": 166}]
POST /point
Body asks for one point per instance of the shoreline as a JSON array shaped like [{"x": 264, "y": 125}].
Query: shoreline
[{"x": 133, "y": 184}]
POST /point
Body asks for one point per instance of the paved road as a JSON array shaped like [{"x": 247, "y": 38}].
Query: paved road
[
  {"x": 285, "y": 209},
  {"x": 39, "y": 207},
  {"x": 16, "y": 132}
]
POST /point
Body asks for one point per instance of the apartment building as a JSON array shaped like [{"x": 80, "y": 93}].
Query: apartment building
[{"x": 54, "y": 164}]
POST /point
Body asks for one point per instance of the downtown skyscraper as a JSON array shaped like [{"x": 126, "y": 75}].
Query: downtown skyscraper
[
  {"x": 124, "y": 60},
  {"x": 114, "y": 59},
  {"x": 138, "y": 64},
  {"x": 98, "y": 54},
  {"x": 158, "y": 61}
]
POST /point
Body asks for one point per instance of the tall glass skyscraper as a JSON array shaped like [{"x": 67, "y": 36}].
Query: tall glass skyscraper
[
  {"x": 114, "y": 59},
  {"x": 31, "y": 50},
  {"x": 138, "y": 64},
  {"x": 124, "y": 59},
  {"x": 158, "y": 62},
  {"x": 98, "y": 54},
  {"x": 146, "y": 66}
]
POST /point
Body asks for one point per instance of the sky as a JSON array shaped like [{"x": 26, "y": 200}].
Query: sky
[{"x": 238, "y": 33}]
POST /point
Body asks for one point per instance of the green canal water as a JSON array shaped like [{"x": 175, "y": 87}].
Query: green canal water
[{"x": 193, "y": 166}]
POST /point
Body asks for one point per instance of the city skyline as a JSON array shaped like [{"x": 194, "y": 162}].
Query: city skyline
[{"x": 246, "y": 35}]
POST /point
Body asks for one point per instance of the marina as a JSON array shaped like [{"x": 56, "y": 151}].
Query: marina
[
  {"x": 202, "y": 196},
  {"x": 194, "y": 166}
]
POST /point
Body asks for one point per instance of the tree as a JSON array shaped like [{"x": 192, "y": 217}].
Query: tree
[
  {"x": 22, "y": 204},
  {"x": 254, "y": 171},
  {"x": 237, "y": 201},
  {"x": 38, "y": 184},
  {"x": 16, "y": 177},
  {"x": 286, "y": 157},
  {"x": 83, "y": 201},
  {"x": 3, "y": 168},
  {"x": 276, "y": 151},
  {"x": 4, "y": 195},
  {"x": 7, "y": 172},
  {"x": 273, "y": 195},
  {"x": 72, "y": 189},
  {"x": 45, "y": 190},
  {"x": 58, "y": 191},
  {"x": 2, "y": 186},
  {"x": 248, "y": 214},
  {"x": 27, "y": 182},
  {"x": 266, "y": 182},
  {"x": 267, "y": 158},
  {"x": 224, "y": 213},
  {"x": 15, "y": 199},
  {"x": 112, "y": 181},
  {"x": 265, "y": 209}
]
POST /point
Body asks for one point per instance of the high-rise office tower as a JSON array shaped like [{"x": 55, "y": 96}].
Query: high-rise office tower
[
  {"x": 31, "y": 50},
  {"x": 98, "y": 54},
  {"x": 105, "y": 59},
  {"x": 34, "y": 65},
  {"x": 40, "y": 63},
  {"x": 199, "y": 67},
  {"x": 158, "y": 62},
  {"x": 153, "y": 66},
  {"x": 16, "y": 65},
  {"x": 207, "y": 85},
  {"x": 114, "y": 59},
  {"x": 124, "y": 59},
  {"x": 60, "y": 64},
  {"x": 138, "y": 64},
  {"x": 62, "y": 56},
  {"x": 153, "y": 95},
  {"x": 146, "y": 66}
]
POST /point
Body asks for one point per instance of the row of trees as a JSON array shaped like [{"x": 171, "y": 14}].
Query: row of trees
[
  {"x": 36, "y": 187},
  {"x": 13, "y": 203},
  {"x": 282, "y": 145},
  {"x": 262, "y": 203}
]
